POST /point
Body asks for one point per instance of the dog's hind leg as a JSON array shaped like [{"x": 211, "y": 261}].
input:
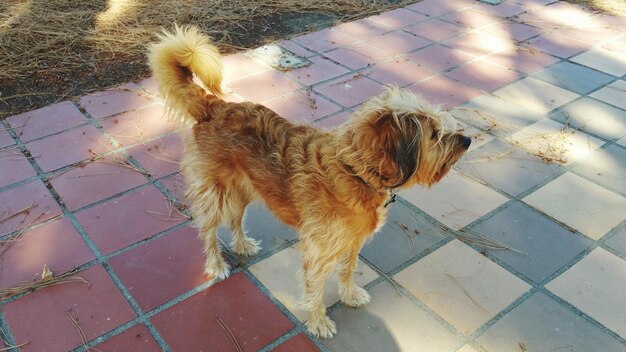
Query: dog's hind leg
[
  {"x": 351, "y": 294},
  {"x": 236, "y": 205}
]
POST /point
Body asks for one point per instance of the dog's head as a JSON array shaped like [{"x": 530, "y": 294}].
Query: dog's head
[{"x": 398, "y": 140}]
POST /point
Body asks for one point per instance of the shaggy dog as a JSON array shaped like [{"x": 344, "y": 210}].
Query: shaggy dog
[{"x": 332, "y": 186}]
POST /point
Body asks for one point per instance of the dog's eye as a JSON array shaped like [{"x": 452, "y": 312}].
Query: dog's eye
[{"x": 434, "y": 135}]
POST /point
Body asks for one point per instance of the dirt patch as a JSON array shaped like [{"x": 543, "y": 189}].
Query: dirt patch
[{"x": 55, "y": 50}]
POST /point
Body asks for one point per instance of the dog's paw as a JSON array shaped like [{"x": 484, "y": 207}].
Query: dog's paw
[
  {"x": 247, "y": 247},
  {"x": 217, "y": 271},
  {"x": 355, "y": 296},
  {"x": 322, "y": 327}
]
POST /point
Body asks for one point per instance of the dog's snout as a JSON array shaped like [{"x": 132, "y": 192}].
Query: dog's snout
[{"x": 466, "y": 141}]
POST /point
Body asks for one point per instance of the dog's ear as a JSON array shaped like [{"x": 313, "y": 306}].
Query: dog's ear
[{"x": 400, "y": 137}]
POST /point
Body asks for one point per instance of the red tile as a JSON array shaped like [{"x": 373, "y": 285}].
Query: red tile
[
  {"x": 437, "y": 7},
  {"x": 115, "y": 100},
  {"x": 399, "y": 18},
  {"x": 302, "y": 106},
  {"x": 139, "y": 125},
  {"x": 68, "y": 147},
  {"x": 512, "y": 31},
  {"x": 14, "y": 167},
  {"x": 349, "y": 58},
  {"x": 41, "y": 317},
  {"x": 238, "y": 66},
  {"x": 324, "y": 40},
  {"x": 471, "y": 18},
  {"x": 400, "y": 72},
  {"x": 436, "y": 29},
  {"x": 263, "y": 86},
  {"x": 300, "y": 343},
  {"x": 590, "y": 35},
  {"x": 45, "y": 121},
  {"x": 128, "y": 219},
  {"x": 95, "y": 181},
  {"x": 478, "y": 44},
  {"x": 251, "y": 317},
  {"x": 438, "y": 57},
  {"x": 371, "y": 52},
  {"x": 523, "y": 60},
  {"x": 504, "y": 9},
  {"x": 296, "y": 48},
  {"x": 162, "y": 269},
  {"x": 557, "y": 45},
  {"x": 321, "y": 69},
  {"x": 333, "y": 121},
  {"x": 56, "y": 244},
  {"x": 160, "y": 157},
  {"x": 17, "y": 198},
  {"x": 5, "y": 138},
  {"x": 398, "y": 42},
  {"x": 362, "y": 29},
  {"x": 350, "y": 91},
  {"x": 150, "y": 85},
  {"x": 484, "y": 75},
  {"x": 176, "y": 186},
  {"x": 135, "y": 339},
  {"x": 442, "y": 90}
]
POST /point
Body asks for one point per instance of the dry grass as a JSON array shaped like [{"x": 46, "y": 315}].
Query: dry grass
[
  {"x": 47, "y": 280},
  {"x": 613, "y": 7}
]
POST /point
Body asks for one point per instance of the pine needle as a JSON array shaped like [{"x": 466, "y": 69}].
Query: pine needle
[
  {"x": 229, "y": 332},
  {"x": 65, "y": 278}
]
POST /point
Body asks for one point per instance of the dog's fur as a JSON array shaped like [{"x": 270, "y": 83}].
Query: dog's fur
[{"x": 331, "y": 186}]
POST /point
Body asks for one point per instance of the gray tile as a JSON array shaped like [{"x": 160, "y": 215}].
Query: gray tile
[
  {"x": 542, "y": 324},
  {"x": 593, "y": 116},
  {"x": 394, "y": 245},
  {"x": 578, "y": 79},
  {"x": 607, "y": 167},
  {"x": 614, "y": 94},
  {"x": 618, "y": 241},
  {"x": 536, "y": 95},
  {"x": 506, "y": 167},
  {"x": 261, "y": 224},
  {"x": 390, "y": 322},
  {"x": 549, "y": 246},
  {"x": 605, "y": 60}
]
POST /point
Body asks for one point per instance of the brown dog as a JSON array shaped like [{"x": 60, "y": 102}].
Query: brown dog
[{"x": 332, "y": 186}]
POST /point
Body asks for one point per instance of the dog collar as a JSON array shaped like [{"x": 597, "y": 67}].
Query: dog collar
[{"x": 391, "y": 192}]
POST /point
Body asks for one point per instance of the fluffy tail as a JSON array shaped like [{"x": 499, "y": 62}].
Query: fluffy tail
[{"x": 173, "y": 61}]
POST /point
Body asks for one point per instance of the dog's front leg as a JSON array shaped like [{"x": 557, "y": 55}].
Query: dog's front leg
[
  {"x": 317, "y": 266},
  {"x": 351, "y": 294}
]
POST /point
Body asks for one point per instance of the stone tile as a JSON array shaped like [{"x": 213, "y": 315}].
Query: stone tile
[
  {"x": 239, "y": 66},
  {"x": 349, "y": 58},
  {"x": 618, "y": 241},
  {"x": 622, "y": 142},
  {"x": 467, "y": 348},
  {"x": 438, "y": 57},
  {"x": 435, "y": 29},
  {"x": 578, "y": 79},
  {"x": 128, "y": 219},
  {"x": 390, "y": 322},
  {"x": 279, "y": 274},
  {"x": 399, "y": 18},
  {"x": 160, "y": 157},
  {"x": 95, "y": 181},
  {"x": 115, "y": 100},
  {"x": 296, "y": 48},
  {"x": 537, "y": 95},
  {"x": 393, "y": 245},
  {"x": 437, "y": 8},
  {"x": 541, "y": 324},
  {"x": 595, "y": 286},
  {"x": 461, "y": 285},
  {"x": 5, "y": 139},
  {"x": 48, "y": 120},
  {"x": 56, "y": 244},
  {"x": 478, "y": 44},
  {"x": 23, "y": 196},
  {"x": 618, "y": 44},
  {"x": 593, "y": 34},
  {"x": 484, "y": 75},
  {"x": 503, "y": 9},
  {"x": 321, "y": 69},
  {"x": 444, "y": 91},
  {"x": 548, "y": 246},
  {"x": 456, "y": 200},
  {"x": 136, "y": 339},
  {"x": 478, "y": 136},
  {"x": 400, "y": 72},
  {"x": 611, "y": 62},
  {"x": 557, "y": 45},
  {"x": 362, "y": 29},
  {"x": 302, "y": 106},
  {"x": 137, "y": 126},
  {"x": 373, "y": 54},
  {"x": 398, "y": 42},
  {"x": 263, "y": 86},
  {"x": 334, "y": 121},
  {"x": 522, "y": 60},
  {"x": 238, "y": 303},
  {"x": 350, "y": 91},
  {"x": 511, "y": 31},
  {"x": 471, "y": 18},
  {"x": 300, "y": 343},
  {"x": 324, "y": 40},
  {"x": 41, "y": 317},
  {"x": 14, "y": 167},
  {"x": 506, "y": 167},
  {"x": 68, "y": 147},
  {"x": 553, "y": 142},
  {"x": 614, "y": 94},
  {"x": 577, "y": 208},
  {"x": 606, "y": 167}
]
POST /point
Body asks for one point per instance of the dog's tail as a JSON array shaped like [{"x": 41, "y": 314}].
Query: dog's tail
[{"x": 174, "y": 59}]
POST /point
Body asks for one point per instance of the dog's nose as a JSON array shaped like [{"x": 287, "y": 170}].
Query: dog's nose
[{"x": 466, "y": 142}]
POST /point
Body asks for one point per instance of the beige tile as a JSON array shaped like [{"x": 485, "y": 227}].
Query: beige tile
[
  {"x": 536, "y": 95},
  {"x": 614, "y": 94},
  {"x": 467, "y": 348},
  {"x": 580, "y": 204},
  {"x": 622, "y": 142},
  {"x": 279, "y": 273},
  {"x": 609, "y": 61},
  {"x": 596, "y": 286},
  {"x": 552, "y": 141},
  {"x": 456, "y": 201},
  {"x": 461, "y": 285},
  {"x": 390, "y": 322}
]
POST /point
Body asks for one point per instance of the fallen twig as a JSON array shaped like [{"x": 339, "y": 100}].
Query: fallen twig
[
  {"x": 64, "y": 278},
  {"x": 26, "y": 210}
]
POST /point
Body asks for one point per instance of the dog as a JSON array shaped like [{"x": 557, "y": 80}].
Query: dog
[{"x": 333, "y": 186}]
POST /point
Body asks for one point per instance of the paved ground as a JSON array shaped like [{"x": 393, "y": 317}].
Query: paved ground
[{"x": 545, "y": 178}]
